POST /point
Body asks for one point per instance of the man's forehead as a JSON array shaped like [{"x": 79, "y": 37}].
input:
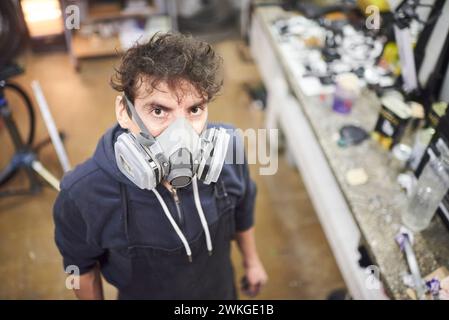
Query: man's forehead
[{"x": 180, "y": 92}]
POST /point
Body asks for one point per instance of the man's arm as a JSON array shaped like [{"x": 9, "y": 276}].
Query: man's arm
[
  {"x": 255, "y": 275},
  {"x": 70, "y": 237},
  {"x": 91, "y": 287}
]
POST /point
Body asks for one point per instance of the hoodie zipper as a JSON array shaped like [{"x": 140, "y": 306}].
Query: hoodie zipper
[{"x": 178, "y": 207}]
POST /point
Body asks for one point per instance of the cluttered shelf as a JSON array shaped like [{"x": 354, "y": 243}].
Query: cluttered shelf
[
  {"x": 364, "y": 172},
  {"x": 112, "y": 11},
  {"x": 117, "y": 38},
  {"x": 109, "y": 28}
]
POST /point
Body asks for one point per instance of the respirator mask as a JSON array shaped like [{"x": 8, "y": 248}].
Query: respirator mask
[{"x": 176, "y": 155}]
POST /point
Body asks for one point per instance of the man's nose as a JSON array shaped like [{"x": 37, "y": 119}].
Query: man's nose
[
  {"x": 175, "y": 117},
  {"x": 179, "y": 112}
]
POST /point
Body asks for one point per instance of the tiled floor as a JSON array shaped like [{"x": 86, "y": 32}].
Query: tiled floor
[{"x": 291, "y": 242}]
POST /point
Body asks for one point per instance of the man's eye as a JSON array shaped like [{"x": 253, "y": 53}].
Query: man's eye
[
  {"x": 158, "y": 112},
  {"x": 196, "y": 110}
]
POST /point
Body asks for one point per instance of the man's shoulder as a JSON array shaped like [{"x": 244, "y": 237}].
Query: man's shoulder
[
  {"x": 235, "y": 133},
  {"x": 235, "y": 168},
  {"x": 82, "y": 176}
]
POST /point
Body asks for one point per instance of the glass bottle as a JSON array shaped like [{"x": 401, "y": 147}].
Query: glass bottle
[{"x": 430, "y": 190}]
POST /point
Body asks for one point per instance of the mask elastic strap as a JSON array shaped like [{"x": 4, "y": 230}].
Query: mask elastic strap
[
  {"x": 138, "y": 120},
  {"x": 174, "y": 225},
  {"x": 196, "y": 196}
]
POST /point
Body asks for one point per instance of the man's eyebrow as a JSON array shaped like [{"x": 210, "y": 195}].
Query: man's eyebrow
[
  {"x": 198, "y": 104},
  {"x": 165, "y": 108},
  {"x": 156, "y": 104}
]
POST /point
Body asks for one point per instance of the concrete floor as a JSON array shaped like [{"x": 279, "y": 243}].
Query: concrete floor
[{"x": 291, "y": 242}]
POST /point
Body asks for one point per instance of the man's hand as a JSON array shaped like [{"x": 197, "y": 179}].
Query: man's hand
[
  {"x": 255, "y": 275},
  {"x": 91, "y": 287},
  {"x": 255, "y": 278}
]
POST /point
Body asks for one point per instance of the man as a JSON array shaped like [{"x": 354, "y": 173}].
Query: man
[{"x": 153, "y": 225}]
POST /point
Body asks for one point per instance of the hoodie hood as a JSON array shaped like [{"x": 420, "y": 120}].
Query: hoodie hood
[{"x": 104, "y": 155}]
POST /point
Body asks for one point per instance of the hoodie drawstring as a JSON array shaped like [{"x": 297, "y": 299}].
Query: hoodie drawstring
[
  {"x": 196, "y": 197},
  {"x": 200, "y": 211},
  {"x": 174, "y": 225}
]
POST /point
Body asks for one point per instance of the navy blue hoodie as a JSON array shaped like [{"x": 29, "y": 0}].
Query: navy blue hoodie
[{"x": 102, "y": 218}]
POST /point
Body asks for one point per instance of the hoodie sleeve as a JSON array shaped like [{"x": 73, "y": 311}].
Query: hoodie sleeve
[
  {"x": 244, "y": 213},
  {"x": 71, "y": 235}
]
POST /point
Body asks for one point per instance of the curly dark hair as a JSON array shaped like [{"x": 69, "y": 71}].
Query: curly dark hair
[{"x": 172, "y": 58}]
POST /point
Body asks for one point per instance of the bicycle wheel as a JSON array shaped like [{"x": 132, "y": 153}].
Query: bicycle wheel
[
  {"x": 12, "y": 31},
  {"x": 23, "y": 115}
]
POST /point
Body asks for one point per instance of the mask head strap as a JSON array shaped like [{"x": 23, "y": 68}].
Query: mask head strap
[{"x": 135, "y": 117}]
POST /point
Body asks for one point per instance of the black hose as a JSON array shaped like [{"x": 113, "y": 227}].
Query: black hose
[
  {"x": 29, "y": 106},
  {"x": 10, "y": 170}
]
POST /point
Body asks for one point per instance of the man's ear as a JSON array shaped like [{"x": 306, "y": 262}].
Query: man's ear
[{"x": 121, "y": 113}]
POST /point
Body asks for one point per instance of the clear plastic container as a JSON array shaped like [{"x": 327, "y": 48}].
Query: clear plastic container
[
  {"x": 431, "y": 188},
  {"x": 347, "y": 90}
]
